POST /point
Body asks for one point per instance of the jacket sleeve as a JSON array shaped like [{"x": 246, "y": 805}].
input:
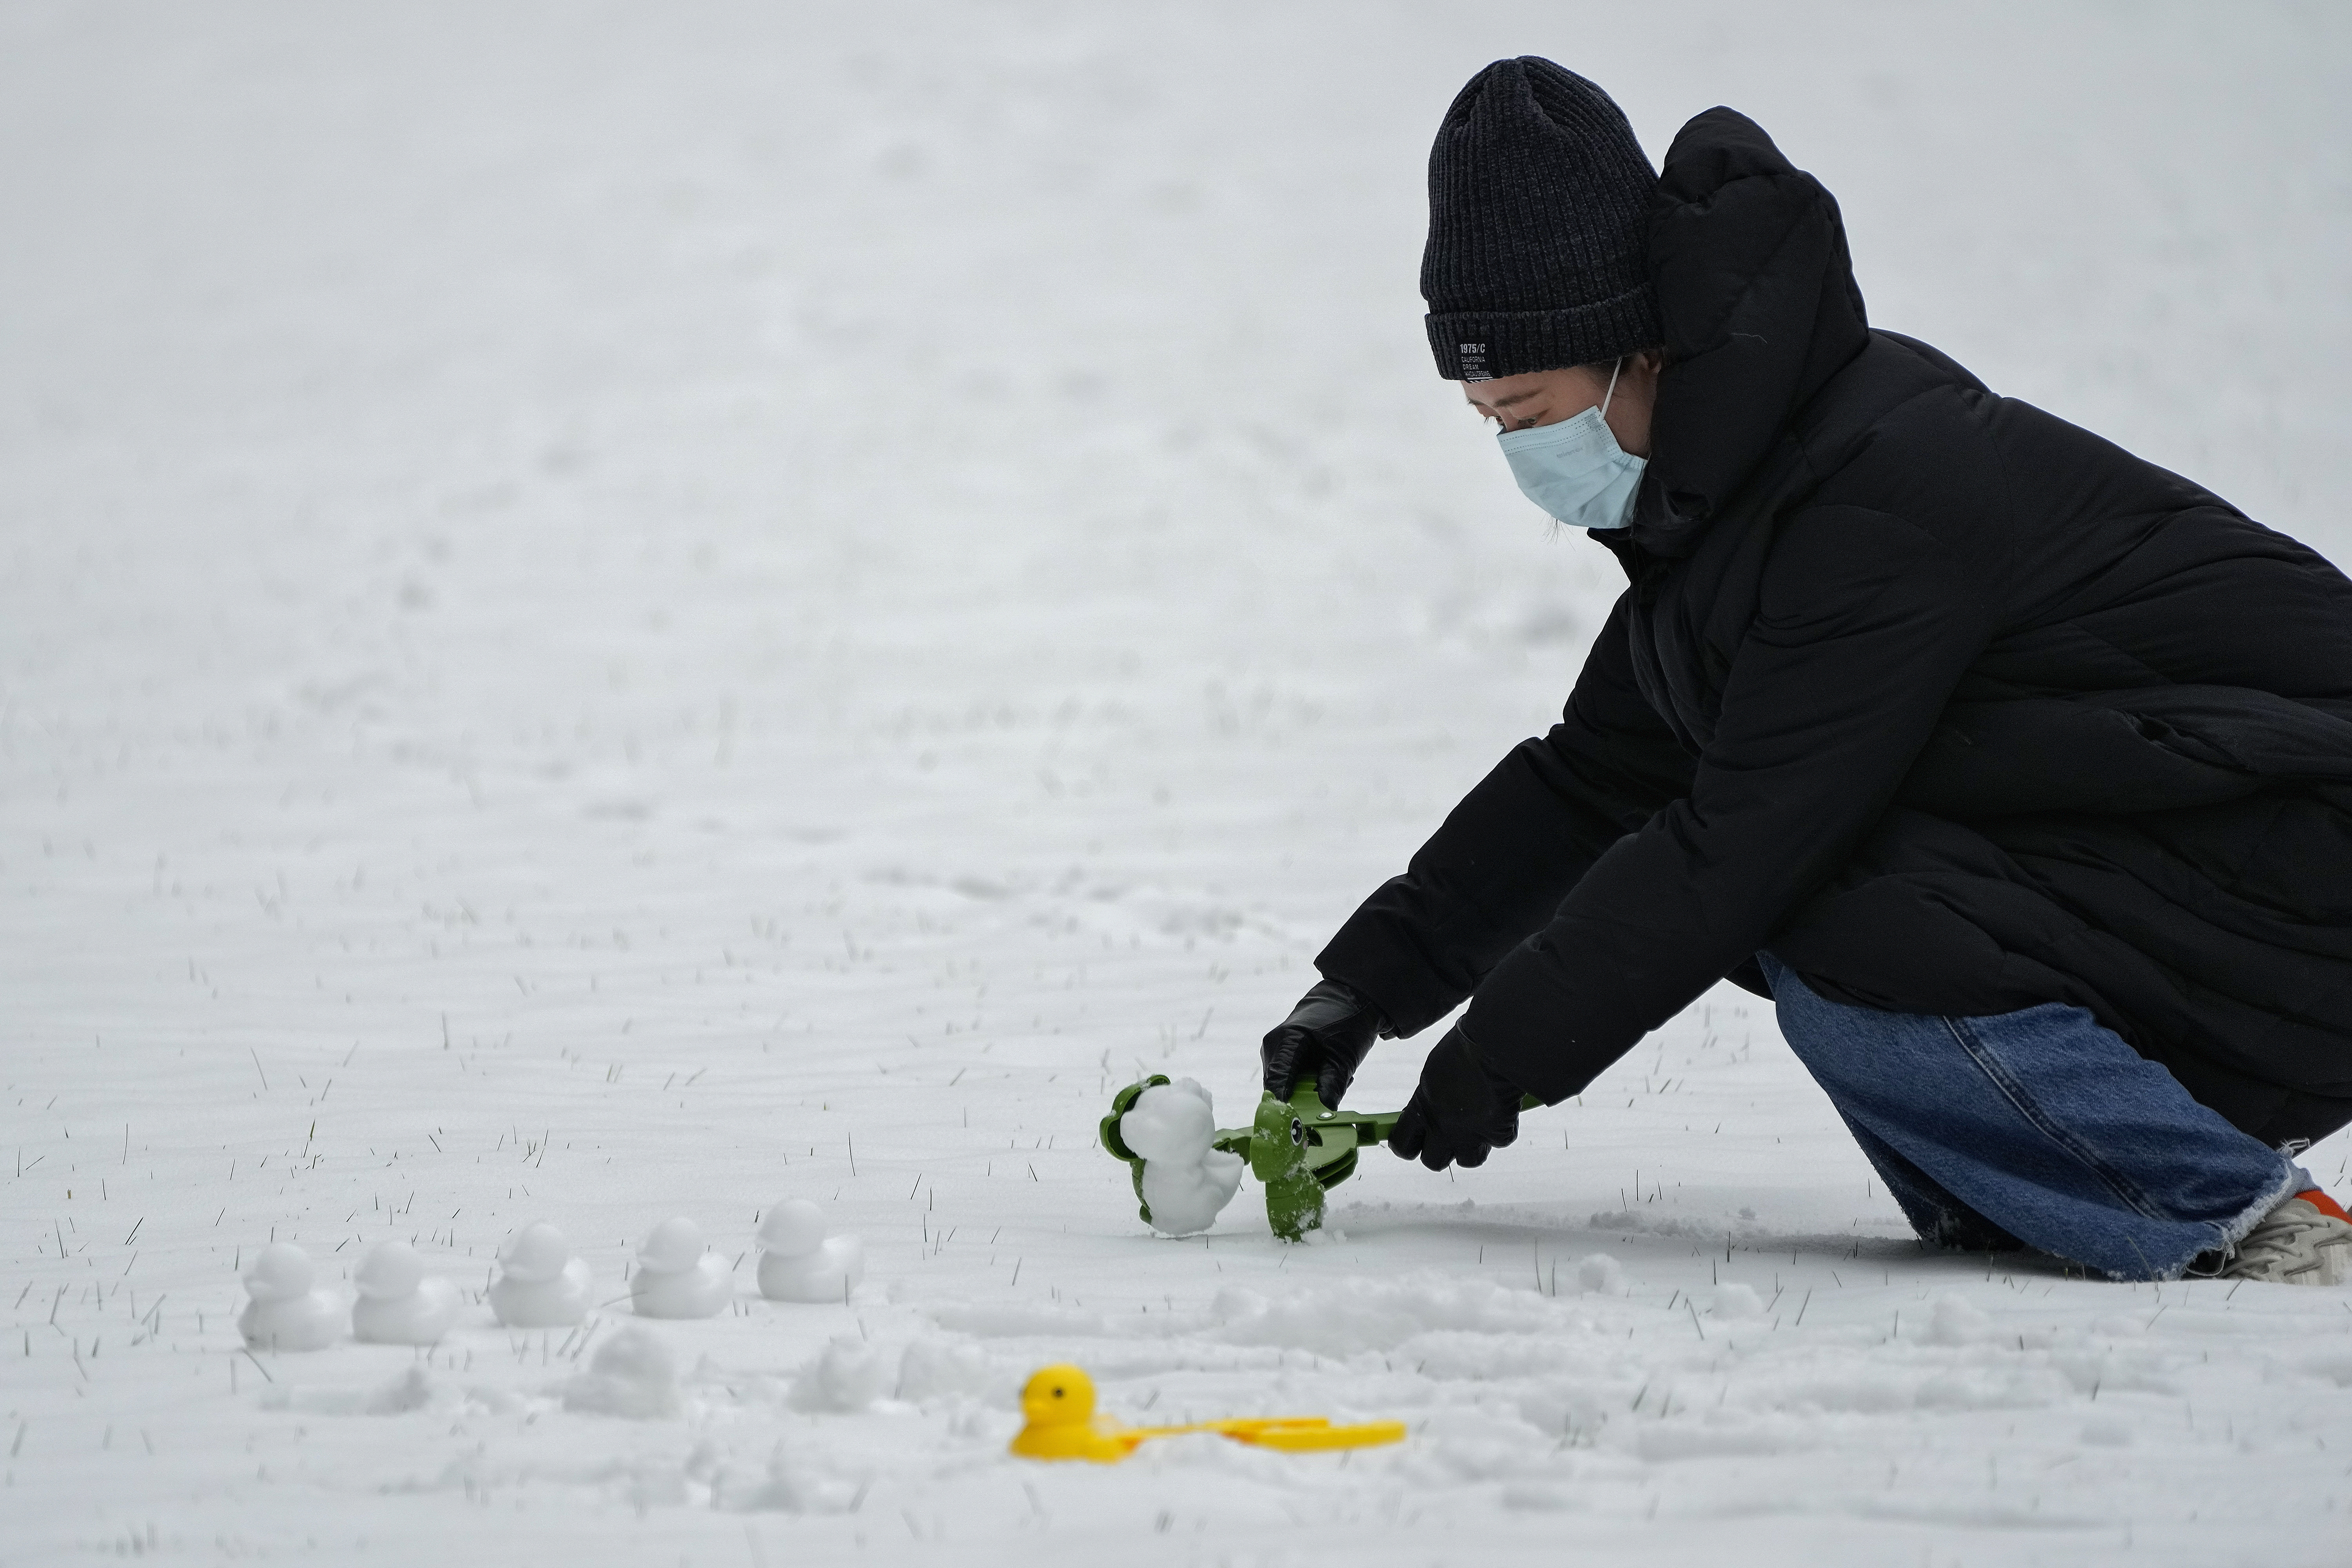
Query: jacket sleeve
[
  {"x": 1505, "y": 856},
  {"x": 1865, "y": 625}
]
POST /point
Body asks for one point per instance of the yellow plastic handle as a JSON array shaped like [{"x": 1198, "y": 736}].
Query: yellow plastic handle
[
  {"x": 1291, "y": 1434},
  {"x": 1303, "y": 1438}
]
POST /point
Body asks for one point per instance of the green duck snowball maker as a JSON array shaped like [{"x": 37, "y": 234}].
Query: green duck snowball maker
[{"x": 1299, "y": 1149}]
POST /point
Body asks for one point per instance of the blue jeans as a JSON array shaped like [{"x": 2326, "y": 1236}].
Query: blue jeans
[{"x": 2039, "y": 1127}]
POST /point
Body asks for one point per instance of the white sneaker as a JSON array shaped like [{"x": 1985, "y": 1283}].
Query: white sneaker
[{"x": 2297, "y": 1243}]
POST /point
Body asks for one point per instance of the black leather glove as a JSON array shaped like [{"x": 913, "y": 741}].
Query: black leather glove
[
  {"x": 1460, "y": 1110},
  {"x": 1324, "y": 1039}
]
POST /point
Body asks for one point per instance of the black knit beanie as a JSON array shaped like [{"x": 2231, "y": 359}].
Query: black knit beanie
[{"x": 1537, "y": 195}]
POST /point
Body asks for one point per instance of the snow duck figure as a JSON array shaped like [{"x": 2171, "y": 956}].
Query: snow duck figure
[
  {"x": 799, "y": 1262},
  {"x": 677, "y": 1276},
  {"x": 285, "y": 1314},
  {"x": 542, "y": 1283},
  {"x": 399, "y": 1303}
]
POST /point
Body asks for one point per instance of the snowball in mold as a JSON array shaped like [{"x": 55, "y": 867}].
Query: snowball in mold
[
  {"x": 1170, "y": 1122},
  {"x": 1186, "y": 1183}
]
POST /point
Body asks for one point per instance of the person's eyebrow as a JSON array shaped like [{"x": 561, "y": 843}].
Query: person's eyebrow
[{"x": 1517, "y": 398}]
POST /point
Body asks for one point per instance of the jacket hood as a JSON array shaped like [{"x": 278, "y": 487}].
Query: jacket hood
[{"x": 1756, "y": 292}]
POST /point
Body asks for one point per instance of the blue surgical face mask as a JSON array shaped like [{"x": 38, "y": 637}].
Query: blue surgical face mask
[{"x": 1575, "y": 471}]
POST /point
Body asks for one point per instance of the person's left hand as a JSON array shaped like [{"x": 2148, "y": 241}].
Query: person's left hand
[{"x": 1461, "y": 1110}]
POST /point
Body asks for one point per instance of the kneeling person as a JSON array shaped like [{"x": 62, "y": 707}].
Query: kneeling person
[{"x": 2015, "y": 769}]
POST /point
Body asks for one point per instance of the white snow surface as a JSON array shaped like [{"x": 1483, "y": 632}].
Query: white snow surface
[
  {"x": 613, "y": 611},
  {"x": 1186, "y": 1183}
]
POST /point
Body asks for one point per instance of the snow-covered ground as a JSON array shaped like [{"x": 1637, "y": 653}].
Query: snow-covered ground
[{"x": 620, "y": 611}]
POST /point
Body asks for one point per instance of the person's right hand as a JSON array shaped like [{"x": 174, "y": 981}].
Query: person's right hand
[{"x": 1324, "y": 1039}]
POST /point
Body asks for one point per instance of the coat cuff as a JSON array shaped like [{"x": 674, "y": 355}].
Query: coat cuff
[{"x": 1374, "y": 956}]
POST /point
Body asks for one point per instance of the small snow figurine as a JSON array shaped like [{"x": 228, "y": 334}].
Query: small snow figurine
[
  {"x": 540, "y": 1283},
  {"x": 677, "y": 1277},
  {"x": 286, "y": 1313},
  {"x": 1185, "y": 1182},
  {"x": 399, "y": 1303},
  {"x": 803, "y": 1264}
]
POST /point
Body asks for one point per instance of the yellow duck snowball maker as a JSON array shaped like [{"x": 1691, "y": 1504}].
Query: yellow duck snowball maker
[
  {"x": 1057, "y": 1416},
  {"x": 1059, "y": 1422}
]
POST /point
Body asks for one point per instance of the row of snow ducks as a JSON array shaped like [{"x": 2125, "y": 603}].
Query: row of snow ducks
[{"x": 542, "y": 1284}]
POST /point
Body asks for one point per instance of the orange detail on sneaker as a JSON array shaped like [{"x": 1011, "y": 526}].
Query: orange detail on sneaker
[{"x": 2323, "y": 1204}]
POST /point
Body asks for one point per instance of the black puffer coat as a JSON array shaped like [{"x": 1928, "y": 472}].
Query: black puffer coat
[{"x": 1950, "y": 705}]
